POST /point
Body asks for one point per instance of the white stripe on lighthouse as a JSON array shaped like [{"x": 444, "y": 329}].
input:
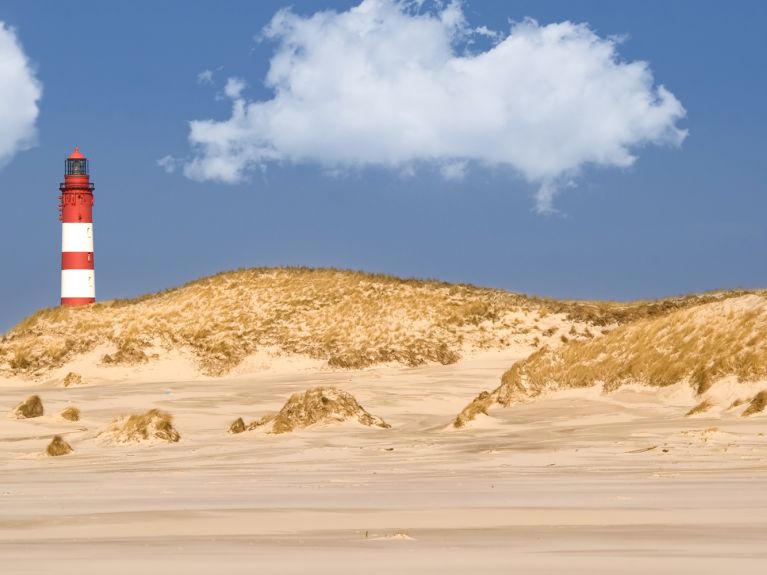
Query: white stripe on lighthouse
[
  {"x": 78, "y": 283},
  {"x": 77, "y": 237}
]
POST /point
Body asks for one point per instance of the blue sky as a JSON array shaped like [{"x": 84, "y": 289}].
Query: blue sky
[{"x": 122, "y": 82}]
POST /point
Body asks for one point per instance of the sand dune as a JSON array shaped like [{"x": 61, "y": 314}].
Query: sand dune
[
  {"x": 345, "y": 319},
  {"x": 700, "y": 345}
]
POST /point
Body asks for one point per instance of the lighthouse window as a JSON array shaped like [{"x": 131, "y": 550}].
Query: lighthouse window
[{"x": 77, "y": 167}]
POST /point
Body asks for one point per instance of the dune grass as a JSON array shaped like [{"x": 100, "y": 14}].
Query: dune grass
[
  {"x": 757, "y": 405},
  {"x": 72, "y": 379},
  {"x": 317, "y": 405},
  {"x": 702, "y": 407},
  {"x": 350, "y": 319},
  {"x": 699, "y": 345},
  {"x": 70, "y": 413},
  {"x": 29, "y": 408},
  {"x": 58, "y": 447},
  {"x": 137, "y": 428}
]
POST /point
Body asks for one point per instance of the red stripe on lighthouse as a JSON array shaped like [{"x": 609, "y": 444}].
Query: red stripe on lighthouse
[
  {"x": 73, "y": 301},
  {"x": 77, "y": 260}
]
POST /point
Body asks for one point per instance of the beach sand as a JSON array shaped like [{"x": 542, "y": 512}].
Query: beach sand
[{"x": 576, "y": 482}]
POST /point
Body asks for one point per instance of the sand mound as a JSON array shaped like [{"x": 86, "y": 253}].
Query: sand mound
[
  {"x": 154, "y": 426},
  {"x": 72, "y": 379},
  {"x": 30, "y": 407},
  {"x": 702, "y": 407},
  {"x": 57, "y": 447},
  {"x": 757, "y": 405},
  {"x": 700, "y": 345},
  {"x": 317, "y": 405},
  {"x": 70, "y": 414},
  {"x": 237, "y": 426}
]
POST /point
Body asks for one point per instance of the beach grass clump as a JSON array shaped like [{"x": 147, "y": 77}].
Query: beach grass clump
[
  {"x": 757, "y": 405},
  {"x": 153, "y": 426},
  {"x": 70, "y": 413},
  {"x": 29, "y": 408},
  {"x": 702, "y": 407},
  {"x": 237, "y": 426},
  {"x": 318, "y": 405},
  {"x": 58, "y": 447},
  {"x": 73, "y": 379}
]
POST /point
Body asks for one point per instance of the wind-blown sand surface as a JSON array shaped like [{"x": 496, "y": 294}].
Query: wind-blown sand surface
[{"x": 575, "y": 482}]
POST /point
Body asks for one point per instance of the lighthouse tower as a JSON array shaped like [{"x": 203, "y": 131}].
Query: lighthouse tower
[{"x": 78, "y": 285}]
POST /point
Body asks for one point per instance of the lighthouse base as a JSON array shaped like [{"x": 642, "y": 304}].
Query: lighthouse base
[{"x": 76, "y": 301}]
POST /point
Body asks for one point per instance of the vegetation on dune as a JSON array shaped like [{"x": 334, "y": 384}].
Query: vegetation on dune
[
  {"x": 70, "y": 413},
  {"x": 72, "y": 379},
  {"x": 349, "y": 319},
  {"x": 58, "y": 447},
  {"x": 757, "y": 405},
  {"x": 702, "y": 407},
  {"x": 315, "y": 405},
  {"x": 30, "y": 407},
  {"x": 138, "y": 428},
  {"x": 700, "y": 345}
]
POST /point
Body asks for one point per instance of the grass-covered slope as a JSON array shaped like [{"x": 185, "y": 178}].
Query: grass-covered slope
[
  {"x": 700, "y": 344},
  {"x": 349, "y": 319}
]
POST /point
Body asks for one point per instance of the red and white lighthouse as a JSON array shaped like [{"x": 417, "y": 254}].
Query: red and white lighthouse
[{"x": 78, "y": 282}]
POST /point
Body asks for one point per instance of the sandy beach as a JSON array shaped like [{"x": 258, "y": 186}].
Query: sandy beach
[{"x": 576, "y": 482}]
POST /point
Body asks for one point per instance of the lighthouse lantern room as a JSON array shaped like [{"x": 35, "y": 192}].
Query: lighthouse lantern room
[{"x": 78, "y": 285}]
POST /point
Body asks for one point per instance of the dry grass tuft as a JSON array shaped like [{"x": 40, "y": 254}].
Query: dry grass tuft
[
  {"x": 237, "y": 426},
  {"x": 318, "y": 405},
  {"x": 349, "y": 319},
  {"x": 699, "y": 345},
  {"x": 704, "y": 405},
  {"x": 70, "y": 414},
  {"x": 757, "y": 405},
  {"x": 73, "y": 379},
  {"x": 154, "y": 425},
  {"x": 30, "y": 407},
  {"x": 57, "y": 447}
]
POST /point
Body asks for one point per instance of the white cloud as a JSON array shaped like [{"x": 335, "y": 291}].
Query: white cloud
[
  {"x": 234, "y": 88},
  {"x": 205, "y": 77},
  {"x": 19, "y": 94},
  {"x": 392, "y": 84},
  {"x": 169, "y": 164}
]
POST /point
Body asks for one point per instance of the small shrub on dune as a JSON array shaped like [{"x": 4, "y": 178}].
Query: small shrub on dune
[
  {"x": 72, "y": 379},
  {"x": 70, "y": 414},
  {"x": 31, "y": 407},
  {"x": 57, "y": 447},
  {"x": 154, "y": 425},
  {"x": 237, "y": 426},
  {"x": 318, "y": 405},
  {"x": 704, "y": 405},
  {"x": 757, "y": 405}
]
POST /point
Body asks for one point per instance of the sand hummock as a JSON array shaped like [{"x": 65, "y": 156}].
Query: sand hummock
[
  {"x": 30, "y": 407},
  {"x": 317, "y": 405},
  {"x": 72, "y": 379},
  {"x": 57, "y": 447},
  {"x": 757, "y": 405},
  {"x": 70, "y": 413},
  {"x": 154, "y": 426}
]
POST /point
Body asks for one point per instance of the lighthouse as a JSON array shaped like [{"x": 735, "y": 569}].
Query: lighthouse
[{"x": 78, "y": 283}]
